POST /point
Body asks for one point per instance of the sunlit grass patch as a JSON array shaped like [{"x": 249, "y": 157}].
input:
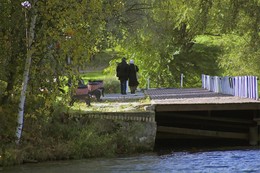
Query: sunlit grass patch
[
  {"x": 97, "y": 75},
  {"x": 111, "y": 106}
]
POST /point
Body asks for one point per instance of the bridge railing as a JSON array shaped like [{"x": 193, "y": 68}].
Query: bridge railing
[{"x": 241, "y": 86}]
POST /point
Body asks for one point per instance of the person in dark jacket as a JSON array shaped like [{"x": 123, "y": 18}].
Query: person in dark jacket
[
  {"x": 122, "y": 72},
  {"x": 133, "y": 82}
]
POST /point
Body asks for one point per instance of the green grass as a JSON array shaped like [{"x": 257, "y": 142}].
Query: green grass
[
  {"x": 111, "y": 106},
  {"x": 93, "y": 76}
]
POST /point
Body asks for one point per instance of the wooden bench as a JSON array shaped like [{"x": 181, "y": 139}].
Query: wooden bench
[{"x": 86, "y": 92}]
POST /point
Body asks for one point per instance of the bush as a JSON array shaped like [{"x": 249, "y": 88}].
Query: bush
[
  {"x": 112, "y": 85},
  {"x": 90, "y": 143}
]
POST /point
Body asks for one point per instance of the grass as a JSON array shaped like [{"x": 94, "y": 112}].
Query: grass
[
  {"x": 97, "y": 75},
  {"x": 112, "y": 106}
]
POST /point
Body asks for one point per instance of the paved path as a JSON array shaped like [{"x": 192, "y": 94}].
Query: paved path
[
  {"x": 179, "y": 96},
  {"x": 128, "y": 96}
]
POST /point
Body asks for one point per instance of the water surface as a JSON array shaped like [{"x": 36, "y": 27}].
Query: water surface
[{"x": 197, "y": 162}]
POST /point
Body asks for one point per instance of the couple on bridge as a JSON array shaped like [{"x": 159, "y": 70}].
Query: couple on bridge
[{"x": 127, "y": 72}]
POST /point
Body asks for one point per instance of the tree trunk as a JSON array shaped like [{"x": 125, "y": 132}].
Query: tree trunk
[{"x": 29, "y": 40}]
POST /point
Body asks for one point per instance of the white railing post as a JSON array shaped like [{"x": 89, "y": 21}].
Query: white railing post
[
  {"x": 182, "y": 76},
  {"x": 256, "y": 88},
  {"x": 148, "y": 83},
  {"x": 203, "y": 81}
]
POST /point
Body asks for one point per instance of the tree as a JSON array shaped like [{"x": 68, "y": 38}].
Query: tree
[
  {"x": 30, "y": 34},
  {"x": 56, "y": 31},
  {"x": 236, "y": 23},
  {"x": 164, "y": 42},
  {"x": 188, "y": 37}
]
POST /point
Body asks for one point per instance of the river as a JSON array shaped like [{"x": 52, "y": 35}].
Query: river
[{"x": 195, "y": 162}]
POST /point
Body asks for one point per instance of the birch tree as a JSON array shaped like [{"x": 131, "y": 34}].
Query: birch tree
[{"x": 29, "y": 31}]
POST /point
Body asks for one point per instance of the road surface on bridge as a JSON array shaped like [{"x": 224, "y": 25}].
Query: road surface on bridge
[
  {"x": 171, "y": 99},
  {"x": 192, "y": 95}
]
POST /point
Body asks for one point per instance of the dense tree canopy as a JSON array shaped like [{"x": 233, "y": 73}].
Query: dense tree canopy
[
  {"x": 196, "y": 37},
  {"x": 166, "y": 38}
]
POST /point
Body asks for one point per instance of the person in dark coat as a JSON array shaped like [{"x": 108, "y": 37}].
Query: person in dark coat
[
  {"x": 133, "y": 82},
  {"x": 122, "y": 72}
]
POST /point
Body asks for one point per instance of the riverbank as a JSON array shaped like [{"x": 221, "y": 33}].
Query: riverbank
[{"x": 119, "y": 125}]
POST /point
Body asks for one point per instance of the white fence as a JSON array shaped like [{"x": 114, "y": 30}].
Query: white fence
[{"x": 241, "y": 86}]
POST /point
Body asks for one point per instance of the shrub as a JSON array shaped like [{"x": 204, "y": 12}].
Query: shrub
[
  {"x": 89, "y": 143},
  {"x": 112, "y": 85}
]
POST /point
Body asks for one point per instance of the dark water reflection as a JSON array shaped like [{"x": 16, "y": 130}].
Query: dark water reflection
[{"x": 198, "y": 162}]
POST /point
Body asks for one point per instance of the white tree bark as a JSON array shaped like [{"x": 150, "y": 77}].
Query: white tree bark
[{"x": 29, "y": 39}]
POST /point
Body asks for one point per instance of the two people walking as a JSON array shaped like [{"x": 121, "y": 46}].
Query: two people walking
[{"x": 127, "y": 72}]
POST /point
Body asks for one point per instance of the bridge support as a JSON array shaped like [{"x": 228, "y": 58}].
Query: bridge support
[
  {"x": 254, "y": 132},
  {"x": 253, "y": 135}
]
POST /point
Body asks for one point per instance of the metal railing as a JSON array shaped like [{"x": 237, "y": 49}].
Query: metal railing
[{"x": 241, "y": 86}]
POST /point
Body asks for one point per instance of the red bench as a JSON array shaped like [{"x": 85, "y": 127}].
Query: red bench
[{"x": 86, "y": 92}]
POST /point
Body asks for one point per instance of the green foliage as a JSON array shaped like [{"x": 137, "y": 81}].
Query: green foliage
[
  {"x": 2, "y": 88},
  {"x": 72, "y": 136},
  {"x": 90, "y": 143},
  {"x": 112, "y": 85},
  {"x": 170, "y": 41},
  {"x": 162, "y": 47},
  {"x": 7, "y": 124},
  {"x": 238, "y": 58},
  {"x": 158, "y": 35},
  {"x": 11, "y": 156},
  {"x": 7, "y": 135}
]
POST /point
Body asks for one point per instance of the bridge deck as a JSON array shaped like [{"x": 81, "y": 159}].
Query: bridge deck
[{"x": 195, "y": 99}]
